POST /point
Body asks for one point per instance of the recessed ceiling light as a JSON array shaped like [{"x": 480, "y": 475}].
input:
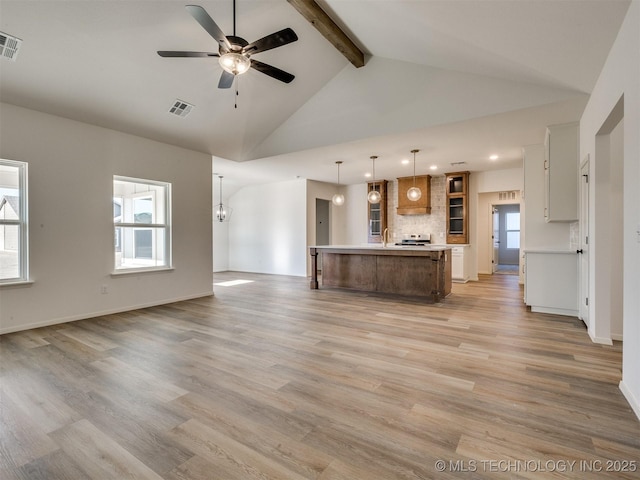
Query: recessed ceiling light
[
  {"x": 493, "y": 157},
  {"x": 367, "y": 175},
  {"x": 405, "y": 162},
  {"x": 433, "y": 167}
]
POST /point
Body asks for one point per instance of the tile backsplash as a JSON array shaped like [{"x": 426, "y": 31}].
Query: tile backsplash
[{"x": 435, "y": 223}]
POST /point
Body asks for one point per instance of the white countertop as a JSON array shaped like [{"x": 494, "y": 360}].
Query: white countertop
[{"x": 551, "y": 250}]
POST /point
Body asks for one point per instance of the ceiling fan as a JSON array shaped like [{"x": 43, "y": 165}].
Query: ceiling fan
[{"x": 235, "y": 52}]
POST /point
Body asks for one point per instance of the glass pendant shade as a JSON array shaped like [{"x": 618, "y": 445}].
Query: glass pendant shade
[
  {"x": 234, "y": 63},
  {"x": 414, "y": 193},
  {"x": 374, "y": 196},
  {"x": 338, "y": 199},
  {"x": 221, "y": 213}
]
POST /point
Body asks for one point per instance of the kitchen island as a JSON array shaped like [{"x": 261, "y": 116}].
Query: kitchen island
[{"x": 423, "y": 271}]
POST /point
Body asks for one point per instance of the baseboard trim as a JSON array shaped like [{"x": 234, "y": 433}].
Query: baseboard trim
[
  {"x": 600, "y": 340},
  {"x": 633, "y": 401},
  {"x": 86, "y": 316},
  {"x": 615, "y": 336},
  {"x": 554, "y": 311}
]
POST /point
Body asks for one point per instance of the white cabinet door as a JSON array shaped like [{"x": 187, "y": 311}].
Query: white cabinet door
[
  {"x": 551, "y": 282},
  {"x": 459, "y": 268},
  {"x": 561, "y": 173}
]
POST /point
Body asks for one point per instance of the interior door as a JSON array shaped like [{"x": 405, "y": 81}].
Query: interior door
[
  {"x": 322, "y": 226},
  {"x": 495, "y": 237},
  {"x": 583, "y": 261}
]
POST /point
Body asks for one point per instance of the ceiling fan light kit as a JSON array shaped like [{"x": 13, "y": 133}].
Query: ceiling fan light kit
[
  {"x": 235, "y": 52},
  {"x": 234, "y": 63}
]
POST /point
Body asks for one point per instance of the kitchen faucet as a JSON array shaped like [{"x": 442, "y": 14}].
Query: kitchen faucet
[{"x": 385, "y": 237}]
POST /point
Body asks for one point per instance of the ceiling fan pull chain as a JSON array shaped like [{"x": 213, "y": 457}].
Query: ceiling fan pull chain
[{"x": 236, "y": 96}]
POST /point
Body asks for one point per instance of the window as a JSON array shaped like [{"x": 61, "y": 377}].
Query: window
[
  {"x": 512, "y": 221},
  {"x": 141, "y": 222},
  {"x": 13, "y": 222}
]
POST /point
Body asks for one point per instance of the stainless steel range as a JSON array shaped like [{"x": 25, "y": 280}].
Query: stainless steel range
[{"x": 416, "y": 240}]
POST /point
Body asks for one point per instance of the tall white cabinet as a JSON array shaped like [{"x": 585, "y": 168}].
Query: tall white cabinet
[{"x": 551, "y": 204}]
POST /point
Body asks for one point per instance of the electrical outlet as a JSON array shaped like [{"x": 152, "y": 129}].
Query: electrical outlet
[
  {"x": 104, "y": 290},
  {"x": 638, "y": 233}
]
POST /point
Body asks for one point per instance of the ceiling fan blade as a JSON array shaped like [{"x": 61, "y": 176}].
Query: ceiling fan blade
[
  {"x": 226, "y": 80},
  {"x": 203, "y": 18},
  {"x": 272, "y": 71},
  {"x": 274, "y": 40},
  {"x": 165, "y": 53}
]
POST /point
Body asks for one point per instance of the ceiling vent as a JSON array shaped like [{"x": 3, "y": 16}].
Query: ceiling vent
[
  {"x": 181, "y": 108},
  {"x": 457, "y": 164},
  {"x": 9, "y": 46}
]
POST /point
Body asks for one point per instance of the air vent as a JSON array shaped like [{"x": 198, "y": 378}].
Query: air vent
[
  {"x": 181, "y": 108},
  {"x": 9, "y": 46},
  {"x": 507, "y": 195},
  {"x": 456, "y": 164}
]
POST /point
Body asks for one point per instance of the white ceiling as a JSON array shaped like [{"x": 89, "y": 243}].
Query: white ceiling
[{"x": 459, "y": 80}]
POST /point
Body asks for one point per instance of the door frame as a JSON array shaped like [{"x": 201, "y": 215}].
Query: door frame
[{"x": 583, "y": 243}]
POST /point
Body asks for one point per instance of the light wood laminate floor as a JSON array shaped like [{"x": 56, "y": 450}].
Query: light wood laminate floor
[{"x": 272, "y": 380}]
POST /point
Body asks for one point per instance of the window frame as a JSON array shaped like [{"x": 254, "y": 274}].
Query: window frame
[
  {"x": 507, "y": 230},
  {"x": 22, "y": 222},
  {"x": 154, "y": 226}
]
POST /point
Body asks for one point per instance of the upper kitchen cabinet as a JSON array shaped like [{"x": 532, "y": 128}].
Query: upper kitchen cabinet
[
  {"x": 422, "y": 206},
  {"x": 457, "y": 185},
  {"x": 561, "y": 173},
  {"x": 377, "y": 212}
]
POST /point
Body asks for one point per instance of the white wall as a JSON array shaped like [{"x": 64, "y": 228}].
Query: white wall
[
  {"x": 619, "y": 77},
  {"x": 355, "y": 211},
  {"x": 71, "y": 169},
  {"x": 617, "y": 221},
  {"x": 268, "y": 229}
]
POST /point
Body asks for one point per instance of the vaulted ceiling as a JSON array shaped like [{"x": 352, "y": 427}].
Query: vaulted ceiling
[{"x": 459, "y": 80}]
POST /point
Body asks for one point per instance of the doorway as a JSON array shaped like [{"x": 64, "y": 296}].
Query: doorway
[
  {"x": 506, "y": 238},
  {"x": 606, "y": 268},
  {"x": 322, "y": 225},
  {"x": 583, "y": 243}
]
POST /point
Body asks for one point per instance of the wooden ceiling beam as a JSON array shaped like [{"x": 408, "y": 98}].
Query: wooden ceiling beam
[{"x": 310, "y": 10}]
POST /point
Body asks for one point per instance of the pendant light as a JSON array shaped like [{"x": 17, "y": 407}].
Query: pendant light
[
  {"x": 414, "y": 193},
  {"x": 374, "y": 195},
  {"x": 221, "y": 212},
  {"x": 338, "y": 198}
]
